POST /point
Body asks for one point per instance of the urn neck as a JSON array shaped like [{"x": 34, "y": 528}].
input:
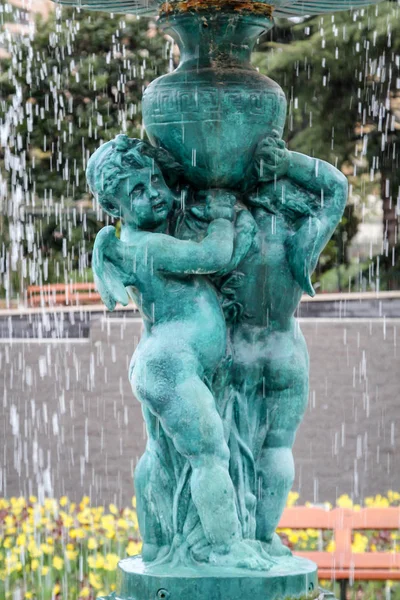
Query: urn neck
[{"x": 218, "y": 39}]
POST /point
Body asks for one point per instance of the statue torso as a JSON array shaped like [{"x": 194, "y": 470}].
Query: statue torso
[{"x": 268, "y": 294}]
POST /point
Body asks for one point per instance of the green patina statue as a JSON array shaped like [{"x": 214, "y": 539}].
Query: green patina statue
[
  {"x": 222, "y": 227},
  {"x": 183, "y": 343}
]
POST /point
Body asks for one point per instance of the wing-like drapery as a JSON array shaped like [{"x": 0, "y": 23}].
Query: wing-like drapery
[{"x": 283, "y": 8}]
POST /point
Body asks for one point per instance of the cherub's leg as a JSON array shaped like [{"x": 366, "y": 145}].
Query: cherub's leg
[
  {"x": 275, "y": 466},
  {"x": 198, "y": 435},
  {"x": 154, "y": 494},
  {"x": 172, "y": 389}
]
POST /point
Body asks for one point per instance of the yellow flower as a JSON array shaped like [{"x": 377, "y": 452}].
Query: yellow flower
[
  {"x": 35, "y": 564},
  {"x": 293, "y": 538},
  {"x": 96, "y": 562},
  {"x": 313, "y": 533},
  {"x": 64, "y": 501},
  {"x": 17, "y": 505},
  {"x": 113, "y": 509},
  {"x": 133, "y": 548},
  {"x": 97, "y": 513},
  {"x": 344, "y": 501},
  {"x": 393, "y": 496},
  {"x": 67, "y": 520},
  {"x": 99, "y": 561},
  {"x": 134, "y": 502},
  {"x": 27, "y": 528},
  {"x": 111, "y": 562},
  {"x": 8, "y": 542},
  {"x": 46, "y": 548},
  {"x": 377, "y": 502},
  {"x": 92, "y": 543},
  {"x": 78, "y": 533},
  {"x": 58, "y": 563},
  {"x": 381, "y": 502},
  {"x": 84, "y": 502},
  {"x": 95, "y": 581},
  {"x": 71, "y": 554},
  {"x": 9, "y": 521},
  {"x": 50, "y": 505},
  {"x": 32, "y": 499},
  {"x": 107, "y": 522},
  {"x": 331, "y": 547},
  {"x": 84, "y": 593},
  {"x": 56, "y": 589},
  {"x": 28, "y": 595},
  {"x": 292, "y": 498},
  {"x": 45, "y": 570},
  {"x": 33, "y": 549},
  {"x": 122, "y": 524},
  {"x": 360, "y": 543},
  {"x": 12, "y": 564}
]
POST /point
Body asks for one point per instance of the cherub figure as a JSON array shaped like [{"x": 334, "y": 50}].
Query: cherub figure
[
  {"x": 183, "y": 342},
  {"x": 297, "y": 203}
]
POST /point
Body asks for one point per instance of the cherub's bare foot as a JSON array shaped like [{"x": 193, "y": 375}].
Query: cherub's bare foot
[
  {"x": 275, "y": 547},
  {"x": 242, "y": 555}
]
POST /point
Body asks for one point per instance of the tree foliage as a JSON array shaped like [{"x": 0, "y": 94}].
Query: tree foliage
[
  {"x": 341, "y": 75},
  {"x": 79, "y": 80},
  {"x": 76, "y": 82}
]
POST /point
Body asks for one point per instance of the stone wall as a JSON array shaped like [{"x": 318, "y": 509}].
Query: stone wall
[{"x": 70, "y": 424}]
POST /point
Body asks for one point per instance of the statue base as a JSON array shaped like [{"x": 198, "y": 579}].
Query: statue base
[{"x": 293, "y": 578}]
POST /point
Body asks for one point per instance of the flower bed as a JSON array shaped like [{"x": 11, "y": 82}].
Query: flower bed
[{"x": 59, "y": 550}]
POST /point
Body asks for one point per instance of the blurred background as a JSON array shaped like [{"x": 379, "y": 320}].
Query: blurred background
[{"x": 69, "y": 424}]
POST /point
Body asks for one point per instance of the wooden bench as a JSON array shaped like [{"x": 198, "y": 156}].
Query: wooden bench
[
  {"x": 343, "y": 565},
  {"x": 58, "y": 294}
]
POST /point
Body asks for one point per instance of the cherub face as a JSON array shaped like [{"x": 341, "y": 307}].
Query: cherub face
[{"x": 145, "y": 197}]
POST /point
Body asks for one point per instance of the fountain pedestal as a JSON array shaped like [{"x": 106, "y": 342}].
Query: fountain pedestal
[{"x": 294, "y": 578}]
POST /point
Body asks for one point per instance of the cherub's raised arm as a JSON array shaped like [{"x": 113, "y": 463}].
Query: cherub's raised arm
[
  {"x": 313, "y": 191},
  {"x": 330, "y": 188},
  {"x": 182, "y": 256},
  {"x": 327, "y": 183}
]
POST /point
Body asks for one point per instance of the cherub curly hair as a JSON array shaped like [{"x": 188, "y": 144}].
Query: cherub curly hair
[{"x": 110, "y": 164}]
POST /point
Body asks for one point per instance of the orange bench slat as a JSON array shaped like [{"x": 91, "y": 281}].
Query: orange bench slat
[
  {"x": 63, "y": 294},
  {"x": 343, "y": 563},
  {"x": 66, "y": 298},
  {"x": 367, "y": 560},
  {"x": 60, "y": 287},
  {"x": 359, "y": 575},
  {"x": 304, "y": 517}
]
